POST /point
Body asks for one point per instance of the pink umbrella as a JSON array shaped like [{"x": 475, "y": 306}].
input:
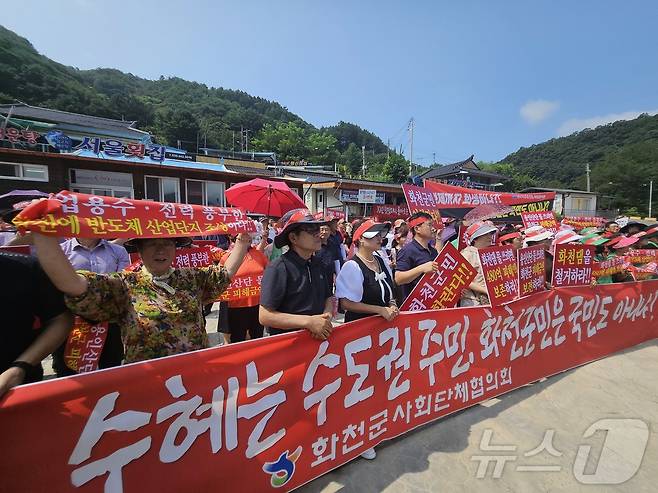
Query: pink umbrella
[{"x": 272, "y": 198}]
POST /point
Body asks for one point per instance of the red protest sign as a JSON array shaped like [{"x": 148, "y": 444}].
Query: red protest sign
[
  {"x": 463, "y": 240},
  {"x": 639, "y": 257},
  {"x": 532, "y": 270},
  {"x": 545, "y": 219},
  {"x": 643, "y": 272},
  {"x": 81, "y": 215},
  {"x": 274, "y": 414},
  {"x": 193, "y": 257},
  {"x": 500, "y": 273},
  {"x": 84, "y": 345},
  {"x": 242, "y": 287},
  {"x": 420, "y": 199},
  {"x": 441, "y": 289},
  {"x": 573, "y": 265},
  {"x": 580, "y": 222},
  {"x": 608, "y": 267},
  {"x": 244, "y": 290},
  {"x": 386, "y": 212},
  {"x": 336, "y": 212}
]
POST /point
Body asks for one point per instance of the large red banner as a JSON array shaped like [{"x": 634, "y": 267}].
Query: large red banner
[
  {"x": 70, "y": 214},
  {"x": 451, "y": 197},
  {"x": 443, "y": 288},
  {"x": 278, "y": 412},
  {"x": 458, "y": 201},
  {"x": 420, "y": 199}
]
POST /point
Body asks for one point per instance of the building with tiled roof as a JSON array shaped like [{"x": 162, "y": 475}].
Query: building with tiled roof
[
  {"x": 73, "y": 124},
  {"x": 465, "y": 173}
]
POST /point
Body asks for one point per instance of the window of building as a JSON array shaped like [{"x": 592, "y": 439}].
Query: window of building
[
  {"x": 161, "y": 189},
  {"x": 96, "y": 182},
  {"x": 202, "y": 192},
  {"x": 20, "y": 171}
]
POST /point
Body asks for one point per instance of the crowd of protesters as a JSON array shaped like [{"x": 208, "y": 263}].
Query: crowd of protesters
[{"x": 313, "y": 270}]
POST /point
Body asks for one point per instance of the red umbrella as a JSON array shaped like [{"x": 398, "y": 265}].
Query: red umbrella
[{"x": 272, "y": 198}]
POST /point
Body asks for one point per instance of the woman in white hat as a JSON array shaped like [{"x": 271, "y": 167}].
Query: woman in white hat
[
  {"x": 479, "y": 235},
  {"x": 538, "y": 235}
]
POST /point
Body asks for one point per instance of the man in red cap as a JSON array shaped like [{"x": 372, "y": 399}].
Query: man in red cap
[{"x": 295, "y": 291}]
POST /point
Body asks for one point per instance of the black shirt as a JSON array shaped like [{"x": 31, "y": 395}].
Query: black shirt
[
  {"x": 326, "y": 257},
  {"x": 27, "y": 299},
  {"x": 293, "y": 285},
  {"x": 334, "y": 243},
  {"x": 411, "y": 256}
]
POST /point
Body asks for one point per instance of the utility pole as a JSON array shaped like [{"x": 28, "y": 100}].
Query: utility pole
[
  {"x": 363, "y": 161},
  {"x": 650, "y": 196},
  {"x": 388, "y": 148},
  {"x": 233, "y": 141},
  {"x": 434, "y": 158},
  {"x": 411, "y": 146},
  {"x": 241, "y": 138},
  {"x": 588, "y": 170}
]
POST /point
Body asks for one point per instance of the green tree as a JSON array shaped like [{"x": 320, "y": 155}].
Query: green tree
[
  {"x": 321, "y": 148},
  {"x": 396, "y": 168},
  {"x": 352, "y": 159},
  {"x": 288, "y": 140},
  {"x": 174, "y": 125},
  {"x": 518, "y": 180},
  {"x": 623, "y": 177}
]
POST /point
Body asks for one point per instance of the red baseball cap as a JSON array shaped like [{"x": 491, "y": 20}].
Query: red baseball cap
[{"x": 369, "y": 229}]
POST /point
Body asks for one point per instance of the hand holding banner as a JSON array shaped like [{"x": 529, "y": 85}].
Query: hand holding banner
[{"x": 441, "y": 289}]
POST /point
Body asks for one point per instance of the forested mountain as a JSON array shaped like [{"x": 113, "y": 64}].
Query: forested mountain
[
  {"x": 174, "y": 110},
  {"x": 623, "y": 158}
]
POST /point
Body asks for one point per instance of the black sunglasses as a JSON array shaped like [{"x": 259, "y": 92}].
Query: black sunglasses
[{"x": 312, "y": 230}]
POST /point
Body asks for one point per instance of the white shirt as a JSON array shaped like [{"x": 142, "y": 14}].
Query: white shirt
[{"x": 349, "y": 283}]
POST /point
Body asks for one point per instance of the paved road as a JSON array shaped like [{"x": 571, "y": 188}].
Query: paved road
[{"x": 439, "y": 456}]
